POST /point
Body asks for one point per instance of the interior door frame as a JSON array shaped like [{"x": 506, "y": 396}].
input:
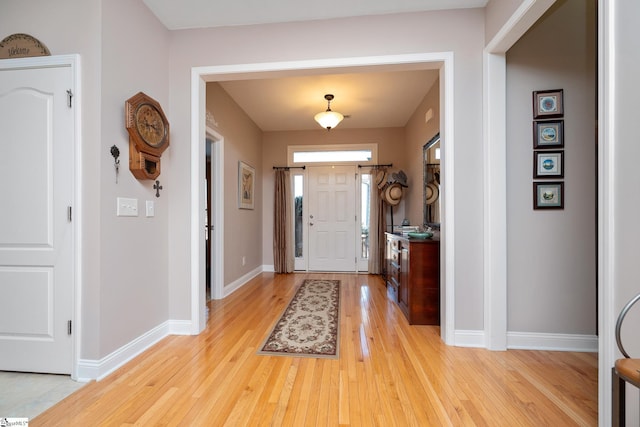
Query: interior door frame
[
  {"x": 443, "y": 61},
  {"x": 302, "y": 264},
  {"x": 217, "y": 213},
  {"x": 73, "y": 62}
]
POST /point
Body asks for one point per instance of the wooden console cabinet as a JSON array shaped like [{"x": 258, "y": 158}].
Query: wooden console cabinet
[{"x": 412, "y": 270}]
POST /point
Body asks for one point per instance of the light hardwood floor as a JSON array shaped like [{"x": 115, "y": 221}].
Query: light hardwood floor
[{"x": 389, "y": 374}]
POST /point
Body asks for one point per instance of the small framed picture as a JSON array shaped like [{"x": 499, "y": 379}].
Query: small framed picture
[
  {"x": 548, "y": 164},
  {"x": 547, "y": 104},
  {"x": 548, "y": 195},
  {"x": 548, "y": 134},
  {"x": 246, "y": 184}
]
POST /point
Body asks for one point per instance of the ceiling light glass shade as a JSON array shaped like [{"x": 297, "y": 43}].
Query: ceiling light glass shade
[{"x": 328, "y": 119}]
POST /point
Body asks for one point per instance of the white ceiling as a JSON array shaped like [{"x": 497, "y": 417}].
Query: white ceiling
[{"x": 372, "y": 98}]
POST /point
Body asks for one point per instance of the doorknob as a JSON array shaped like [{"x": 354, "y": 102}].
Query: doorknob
[
  {"x": 310, "y": 224},
  {"x": 311, "y": 216}
]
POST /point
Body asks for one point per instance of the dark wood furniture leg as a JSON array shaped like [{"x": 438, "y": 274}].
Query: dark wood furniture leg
[{"x": 617, "y": 400}]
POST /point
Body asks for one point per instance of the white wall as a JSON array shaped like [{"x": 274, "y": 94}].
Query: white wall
[
  {"x": 621, "y": 231},
  {"x": 627, "y": 151},
  {"x": 552, "y": 254}
]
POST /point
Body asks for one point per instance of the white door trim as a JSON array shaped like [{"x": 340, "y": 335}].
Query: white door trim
[
  {"x": 495, "y": 171},
  {"x": 606, "y": 206},
  {"x": 72, "y": 61},
  {"x": 495, "y": 202},
  {"x": 201, "y": 75},
  {"x": 217, "y": 216}
]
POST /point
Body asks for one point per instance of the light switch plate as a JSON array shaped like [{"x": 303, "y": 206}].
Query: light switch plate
[
  {"x": 127, "y": 207},
  {"x": 151, "y": 208}
]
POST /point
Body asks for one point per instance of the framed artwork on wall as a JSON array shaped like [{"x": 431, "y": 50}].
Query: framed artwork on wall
[
  {"x": 548, "y": 195},
  {"x": 246, "y": 185},
  {"x": 548, "y": 134},
  {"x": 548, "y": 104},
  {"x": 548, "y": 164}
]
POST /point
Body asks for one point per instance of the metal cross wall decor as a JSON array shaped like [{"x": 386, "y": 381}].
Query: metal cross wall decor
[{"x": 157, "y": 187}]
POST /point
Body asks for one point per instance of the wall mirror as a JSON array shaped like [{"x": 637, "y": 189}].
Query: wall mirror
[{"x": 431, "y": 182}]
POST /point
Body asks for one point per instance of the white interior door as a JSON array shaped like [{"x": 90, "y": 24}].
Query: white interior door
[
  {"x": 36, "y": 236},
  {"x": 332, "y": 218}
]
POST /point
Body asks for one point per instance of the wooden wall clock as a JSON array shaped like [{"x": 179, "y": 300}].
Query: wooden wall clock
[{"x": 148, "y": 129}]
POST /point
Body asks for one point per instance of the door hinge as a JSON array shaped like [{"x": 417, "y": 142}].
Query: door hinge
[
  {"x": 68, "y": 327},
  {"x": 69, "y": 96},
  {"x": 69, "y": 216}
]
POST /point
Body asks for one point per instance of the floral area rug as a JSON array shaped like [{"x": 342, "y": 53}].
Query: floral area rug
[{"x": 309, "y": 326}]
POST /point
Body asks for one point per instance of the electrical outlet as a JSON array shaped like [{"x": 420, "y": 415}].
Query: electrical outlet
[{"x": 244, "y": 261}]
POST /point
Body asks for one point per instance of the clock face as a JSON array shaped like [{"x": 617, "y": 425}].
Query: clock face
[{"x": 150, "y": 125}]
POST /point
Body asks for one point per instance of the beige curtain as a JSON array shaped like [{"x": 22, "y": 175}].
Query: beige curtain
[
  {"x": 283, "y": 258},
  {"x": 377, "y": 226}
]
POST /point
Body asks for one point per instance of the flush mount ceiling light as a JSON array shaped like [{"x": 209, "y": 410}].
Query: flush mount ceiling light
[{"x": 328, "y": 119}]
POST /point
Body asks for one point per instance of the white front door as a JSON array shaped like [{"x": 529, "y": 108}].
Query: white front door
[
  {"x": 332, "y": 218},
  {"x": 36, "y": 235}
]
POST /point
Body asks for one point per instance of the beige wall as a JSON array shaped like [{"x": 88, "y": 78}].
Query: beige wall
[
  {"x": 124, "y": 261},
  {"x": 242, "y": 142},
  {"x": 497, "y": 13},
  {"x": 114, "y": 38},
  {"x": 391, "y": 149},
  {"x": 135, "y": 251},
  {"x": 552, "y": 254},
  {"x": 418, "y": 132},
  {"x": 36, "y": 18},
  {"x": 460, "y": 32}
]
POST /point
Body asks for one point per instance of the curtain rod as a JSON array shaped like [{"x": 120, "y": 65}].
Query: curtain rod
[
  {"x": 289, "y": 167},
  {"x": 375, "y": 166}
]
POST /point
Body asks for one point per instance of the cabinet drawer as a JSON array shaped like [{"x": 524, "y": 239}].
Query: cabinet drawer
[
  {"x": 394, "y": 273},
  {"x": 425, "y": 308},
  {"x": 392, "y": 292}
]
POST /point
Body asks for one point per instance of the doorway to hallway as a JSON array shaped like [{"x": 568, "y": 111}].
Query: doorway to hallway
[{"x": 201, "y": 75}]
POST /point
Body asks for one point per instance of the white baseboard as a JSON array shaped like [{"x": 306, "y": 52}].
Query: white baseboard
[
  {"x": 554, "y": 342},
  {"x": 88, "y": 370},
  {"x": 98, "y": 369},
  {"x": 531, "y": 341},
  {"x": 180, "y": 327},
  {"x": 240, "y": 282},
  {"x": 268, "y": 269},
  {"x": 464, "y": 338}
]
